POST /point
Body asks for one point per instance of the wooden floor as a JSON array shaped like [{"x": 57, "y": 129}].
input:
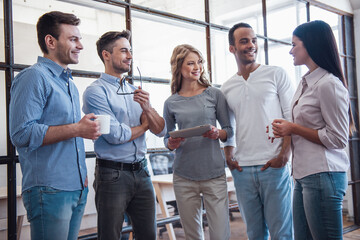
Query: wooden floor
[{"x": 238, "y": 231}]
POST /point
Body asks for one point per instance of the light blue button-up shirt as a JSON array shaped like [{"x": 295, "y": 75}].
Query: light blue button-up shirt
[
  {"x": 101, "y": 98},
  {"x": 45, "y": 95}
]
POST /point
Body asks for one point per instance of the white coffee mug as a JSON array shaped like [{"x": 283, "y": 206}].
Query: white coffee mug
[
  {"x": 104, "y": 122},
  {"x": 271, "y": 132}
]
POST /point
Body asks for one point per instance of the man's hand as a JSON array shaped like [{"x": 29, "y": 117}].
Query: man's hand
[
  {"x": 143, "y": 98},
  {"x": 174, "y": 143},
  {"x": 278, "y": 162},
  {"x": 87, "y": 128},
  {"x": 86, "y": 181},
  {"x": 233, "y": 164},
  {"x": 230, "y": 161}
]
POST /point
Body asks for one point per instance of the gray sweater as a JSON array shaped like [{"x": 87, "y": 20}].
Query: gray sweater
[{"x": 198, "y": 158}]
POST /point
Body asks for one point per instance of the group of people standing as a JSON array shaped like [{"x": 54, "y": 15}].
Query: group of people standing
[{"x": 312, "y": 122}]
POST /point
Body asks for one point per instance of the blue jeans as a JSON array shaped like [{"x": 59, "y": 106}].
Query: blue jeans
[
  {"x": 318, "y": 206},
  {"x": 265, "y": 199},
  {"x": 54, "y": 214},
  {"x": 117, "y": 192}
]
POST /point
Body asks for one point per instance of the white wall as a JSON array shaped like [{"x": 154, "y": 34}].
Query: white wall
[{"x": 343, "y": 5}]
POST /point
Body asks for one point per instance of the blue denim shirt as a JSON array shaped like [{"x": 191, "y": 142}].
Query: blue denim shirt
[
  {"x": 44, "y": 95},
  {"x": 101, "y": 98}
]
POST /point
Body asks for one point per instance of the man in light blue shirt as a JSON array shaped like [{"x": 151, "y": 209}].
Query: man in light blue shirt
[
  {"x": 122, "y": 181},
  {"x": 47, "y": 129}
]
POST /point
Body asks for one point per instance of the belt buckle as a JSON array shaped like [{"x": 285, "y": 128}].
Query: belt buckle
[{"x": 135, "y": 166}]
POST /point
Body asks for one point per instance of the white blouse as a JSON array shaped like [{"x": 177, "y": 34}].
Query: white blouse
[{"x": 324, "y": 106}]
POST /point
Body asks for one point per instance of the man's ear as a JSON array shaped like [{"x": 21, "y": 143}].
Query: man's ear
[
  {"x": 232, "y": 49},
  {"x": 50, "y": 42},
  {"x": 105, "y": 54}
]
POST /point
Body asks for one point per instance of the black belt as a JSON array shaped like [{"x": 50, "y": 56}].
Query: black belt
[{"x": 121, "y": 166}]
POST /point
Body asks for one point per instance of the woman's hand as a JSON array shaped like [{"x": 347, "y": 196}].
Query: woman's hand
[
  {"x": 282, "y": 128},
  {"x": 212, "y": 134},
  {"x": 174, "y": 143}
]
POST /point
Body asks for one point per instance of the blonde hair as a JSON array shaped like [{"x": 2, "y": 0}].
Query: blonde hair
[{"x": 177, "y": 59}]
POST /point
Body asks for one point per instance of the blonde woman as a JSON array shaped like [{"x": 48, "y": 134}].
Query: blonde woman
[{"x": 199, "y": 167}]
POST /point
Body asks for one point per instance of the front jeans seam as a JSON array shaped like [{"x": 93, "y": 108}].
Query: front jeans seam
[{"x": 42, "y": 213}]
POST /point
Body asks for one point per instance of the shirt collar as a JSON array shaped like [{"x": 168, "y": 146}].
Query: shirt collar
[
  {"x": 313, "y": 77},
  {"x": 110, "y": 78},
  {"x": 55, "y": 68}
]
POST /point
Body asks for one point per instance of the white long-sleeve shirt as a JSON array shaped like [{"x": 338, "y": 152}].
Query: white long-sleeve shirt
[
  {"x": 253, "y": 103},
  {"x": 324, "y": 106}
]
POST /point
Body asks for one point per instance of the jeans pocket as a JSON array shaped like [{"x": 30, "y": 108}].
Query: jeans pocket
[
  {"x": 146, "y": 171},
  {"x": 339, "y": 183},
  {"x": 107, "y": 175},
  {"x": 26, "y": 197}
]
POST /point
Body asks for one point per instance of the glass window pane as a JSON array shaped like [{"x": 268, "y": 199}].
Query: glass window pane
[
  {"x": 81, "y": 84},
  {"x": 223, "y": 61},
  {"x": 279, "y": 56},
  {"x": 154, "y": 39},
  {"x": 2, "y": 54},
  {"x": 158, "y": 95},
  {"x": 277, "y": 10},
  {"x": 229, "y": 12},
  {"x": 93, "y": 24},
  {"x": 186, "y": 8},
  {"x": 333, "y": 19},
  {"x": 3, "y": 128}
]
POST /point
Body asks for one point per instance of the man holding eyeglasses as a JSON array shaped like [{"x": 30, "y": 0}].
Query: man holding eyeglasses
[
  {"x": 122, "y": 181},
  {"x": 47, "y": 129}
]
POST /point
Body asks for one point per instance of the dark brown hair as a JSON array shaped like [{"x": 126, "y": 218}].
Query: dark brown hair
[
  {"x": 319, "y": 41},
  {"x": 107, "y": 40},
  {"x": 49, "y": 24}
]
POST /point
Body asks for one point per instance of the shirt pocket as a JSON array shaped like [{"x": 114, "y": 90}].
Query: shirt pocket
[{"x": 210, "y": 112}]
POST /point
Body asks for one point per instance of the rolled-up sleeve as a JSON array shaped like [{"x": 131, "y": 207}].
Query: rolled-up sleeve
[
  {"x": 169, "y": 122},
  {"x": 334, "y": 105},
  {"x": 231, "y": 141},
  {"x": 222, "y": 114},
  {"x": 28, "y": 98},
  {"x": 95, "y": 101}
]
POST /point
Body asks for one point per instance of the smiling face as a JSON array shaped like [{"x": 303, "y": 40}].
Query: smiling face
[
  {"x": 119, "y": 60},
  {"x": 192, "y": 67},
  {"x": 299, "y": 52},
  {"x": 245, "y": 48},
  {"x": 68, "y": 46}
]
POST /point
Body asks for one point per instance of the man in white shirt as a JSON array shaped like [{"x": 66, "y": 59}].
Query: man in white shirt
[{"x": 256, "y": 94}]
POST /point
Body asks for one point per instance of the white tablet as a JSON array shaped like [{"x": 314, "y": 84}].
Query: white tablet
[{"x": 190, "y": 132}]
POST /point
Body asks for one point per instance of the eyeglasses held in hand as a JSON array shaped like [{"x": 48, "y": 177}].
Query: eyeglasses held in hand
[{"x": 128, "y": 93}]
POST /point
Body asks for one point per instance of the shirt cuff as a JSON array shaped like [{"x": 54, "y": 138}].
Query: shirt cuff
[
  {"x": 230, "y": 142},
  {"x": 37, "y": 136},
  {"x": 126, "y": 130},
  {"x": 326, "y": 140}
]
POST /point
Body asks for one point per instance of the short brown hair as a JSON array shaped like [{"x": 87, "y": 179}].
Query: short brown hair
[
  {"x": 107, "y": 40},
  {"x": 177, "y": 59},
  {"x": 49, "y": 23}
]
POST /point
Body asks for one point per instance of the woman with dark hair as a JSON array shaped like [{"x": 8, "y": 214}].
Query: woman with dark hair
[
  {"x": 319, "y": 132},
  {"x": 199, "y": 166}
]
